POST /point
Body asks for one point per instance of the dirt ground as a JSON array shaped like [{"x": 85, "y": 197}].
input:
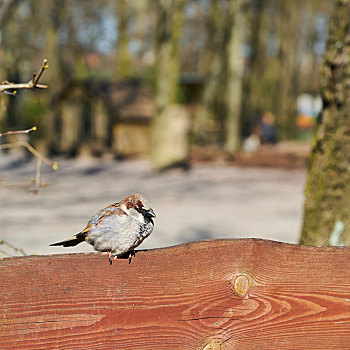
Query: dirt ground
[{"x": 208, "y": 201}]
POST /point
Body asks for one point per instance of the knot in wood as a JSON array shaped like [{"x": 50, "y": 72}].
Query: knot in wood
[
  {"x": 241, "y": 284},
  {"x": 214, "y": 344}
]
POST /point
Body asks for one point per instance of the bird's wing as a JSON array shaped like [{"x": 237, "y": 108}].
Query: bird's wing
[{"x": 95, "y": 220}]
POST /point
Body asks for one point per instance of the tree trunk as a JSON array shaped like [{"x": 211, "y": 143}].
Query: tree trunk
[
  {"x": 101, "y": 126},
  {"x": 71, "y": 120},
  {"x": 290, "y": 25},
  {"x": 254, "y": 100},
  {"x": 123, "y": 65},
  {"x": 6, "y": 9},
  {"x": 234, "y": 74},
  {"x": 10, "y": 113},
  {"x": 56, "y": 75},
  {"x": 165, "y": 149},
  {"x": 327, "y": 204},
  {"x": 214, "y": 69}
]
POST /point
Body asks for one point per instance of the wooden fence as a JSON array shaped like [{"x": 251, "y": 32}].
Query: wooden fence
[{"x": 216, "y": 294}]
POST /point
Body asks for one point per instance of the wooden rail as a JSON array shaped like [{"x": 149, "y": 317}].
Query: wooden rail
[{"x": 217, "y": 294}]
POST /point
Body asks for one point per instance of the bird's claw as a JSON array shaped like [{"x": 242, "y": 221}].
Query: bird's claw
[
  {"x": 129, "y": 256},
  {"x": 132, "y": 253}
]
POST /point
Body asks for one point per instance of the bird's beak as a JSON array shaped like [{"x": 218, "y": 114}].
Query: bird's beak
[{"x": 150, "y": 213}]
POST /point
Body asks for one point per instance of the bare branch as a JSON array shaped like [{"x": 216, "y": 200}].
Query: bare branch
[
  {"x": 31, "y": 149},
  {"x": 36, "y": 77},
  {"x": 37, "y": 180},
  {"x": 38, "y": 155},
  {"x": 38, "y": 173},
  {"x": 18, "y": 131},
  {"x": 9, "y": 245},
  {"x": 14, "y": 86},
  {"x": 30, "y": 85}
]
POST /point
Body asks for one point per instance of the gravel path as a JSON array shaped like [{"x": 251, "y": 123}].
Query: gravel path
[{"x": 209, "y": 201}]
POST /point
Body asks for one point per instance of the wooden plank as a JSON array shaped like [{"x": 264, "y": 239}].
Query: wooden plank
[{"x": 218, "y": 294}]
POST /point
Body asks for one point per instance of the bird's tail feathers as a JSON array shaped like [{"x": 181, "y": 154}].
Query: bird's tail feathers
[{"x": 71, "y": 242}]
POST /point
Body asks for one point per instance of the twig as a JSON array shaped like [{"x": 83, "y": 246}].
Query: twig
[
  {"x": 36, "y": 77},
  {"x": 18, "y": 131},
  {"x": 13, "y": 86},
  {"x": 20, "y": 250},
  {"x": 30, "y": 85},
  {"x": 38, "y": 155},
  {"x": 47, "y": 161},
  {"x": 37, "y": 174},
  {"x": 4, "y": 252},
  {"x": 37, "y": 180}
]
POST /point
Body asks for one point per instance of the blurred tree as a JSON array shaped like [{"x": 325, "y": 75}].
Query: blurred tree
[
  {"x": 143, "y": 26},
  {"x": 15, "y": 57},
  {"x": 262, "y": 73},
  {"x": 123, "y": 60},
  {"x": 9, "y": 70},
  {"x": 290, "y": 27},
  {"x": 280, "y": 57},
  {"x": 222, "y": 90},
  {"x": 327, "y": 190},
  {"x": 170, "y": 124},
  {"x": 213, "y": 63},
  {"x": 6, "y": 9},
  {"x": 254, "y": 98},
  {"x": 283, "y": 61},
  {"x": 56, "y": 73},
  {"x": 234, "y": 64}
]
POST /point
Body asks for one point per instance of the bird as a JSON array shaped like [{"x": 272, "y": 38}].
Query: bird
[{"x": 118, "y": 228}]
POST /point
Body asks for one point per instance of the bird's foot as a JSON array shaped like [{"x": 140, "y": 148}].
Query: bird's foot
[
  {"x": 110, "y": 258},
  {"x": 132, "y": 253}
]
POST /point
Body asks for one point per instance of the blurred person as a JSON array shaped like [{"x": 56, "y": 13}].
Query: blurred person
[
  {"x": 251, "y": 144},
  {"x": 268, "y": 128},
  {"x": 251, "y": 134}
]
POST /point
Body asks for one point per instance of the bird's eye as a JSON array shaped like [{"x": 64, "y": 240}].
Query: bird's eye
[{"x": 140, "y": 209}]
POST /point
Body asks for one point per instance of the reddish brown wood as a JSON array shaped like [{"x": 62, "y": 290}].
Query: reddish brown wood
[{"x": 219, "y": 294}]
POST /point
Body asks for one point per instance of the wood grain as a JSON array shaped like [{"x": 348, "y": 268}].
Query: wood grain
[{"x": 218, "y": 294}]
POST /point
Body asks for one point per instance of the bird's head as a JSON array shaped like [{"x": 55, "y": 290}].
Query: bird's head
[{"x": 138, "y": 206}]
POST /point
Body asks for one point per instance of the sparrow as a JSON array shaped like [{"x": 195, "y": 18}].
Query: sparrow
[{"x": 117, "y": 229}]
